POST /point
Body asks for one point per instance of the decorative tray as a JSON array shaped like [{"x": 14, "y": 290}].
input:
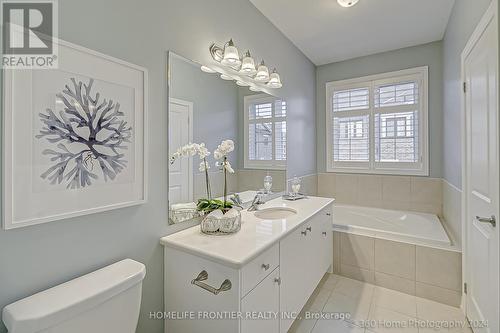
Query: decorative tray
[{"x": 298, "y": 196}]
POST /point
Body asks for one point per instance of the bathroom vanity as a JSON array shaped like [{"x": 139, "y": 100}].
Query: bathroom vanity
[{"x": 256, "y": 280}]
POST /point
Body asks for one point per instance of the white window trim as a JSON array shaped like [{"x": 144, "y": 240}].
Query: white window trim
[
  {"x": 370, "y": 167},
  {"x": 251, "y": 164}
]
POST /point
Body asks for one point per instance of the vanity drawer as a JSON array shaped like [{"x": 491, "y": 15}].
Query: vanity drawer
[{"x": 257, "y": 269}]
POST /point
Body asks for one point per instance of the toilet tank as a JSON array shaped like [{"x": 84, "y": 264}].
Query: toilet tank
[{"x": 107, "y": 300}]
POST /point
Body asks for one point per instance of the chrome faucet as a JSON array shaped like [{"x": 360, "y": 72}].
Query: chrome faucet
[
  {"x": 237, "y": 200},
  {"x": 257, "y": 200}
]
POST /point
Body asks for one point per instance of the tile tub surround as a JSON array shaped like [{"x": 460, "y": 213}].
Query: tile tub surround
[
  {"x": 241, "y": 180},
  {"x": 253, "y": 179},
  {"x": 309, "y": 184},
  {"x": 452, "y": 211},
  {"x": 421, "y": 194},
  {"x": 426, "y": 272}
]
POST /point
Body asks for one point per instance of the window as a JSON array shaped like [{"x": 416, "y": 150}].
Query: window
[
  {"x": 265, "y": 132},
  {"x": 378, "y": 124}
]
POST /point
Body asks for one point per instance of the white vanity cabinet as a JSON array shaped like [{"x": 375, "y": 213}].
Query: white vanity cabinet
[
  {"x": 225, "y": 289},
  {"x": 305, "y": 256}
]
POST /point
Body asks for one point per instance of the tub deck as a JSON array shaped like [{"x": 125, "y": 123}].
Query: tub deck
[{"x": 402, "y": 226}]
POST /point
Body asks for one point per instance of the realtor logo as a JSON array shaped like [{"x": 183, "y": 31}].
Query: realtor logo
[{"x": 28, "y": 34}]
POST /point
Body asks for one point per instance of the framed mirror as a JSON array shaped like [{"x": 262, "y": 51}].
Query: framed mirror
[{"x": 205, "y": 109}]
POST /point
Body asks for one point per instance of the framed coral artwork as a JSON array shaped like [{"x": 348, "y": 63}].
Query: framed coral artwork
[{"x": 74, "y": 138}]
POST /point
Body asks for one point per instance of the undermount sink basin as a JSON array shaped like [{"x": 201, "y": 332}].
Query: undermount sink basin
[{"x": 275, "y": 213}]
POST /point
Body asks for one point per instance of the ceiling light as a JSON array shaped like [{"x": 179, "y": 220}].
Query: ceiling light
[
  {"x": 248, "y": 65},
  {"x": 262, "y": 73},
  {"x": 226, "y": 77},
  {"x": 274, "y": 80},
  {"x": 207, "y": 69},
  {"x": 347, "y": 3},
  {"x": 231, "y": 55}
]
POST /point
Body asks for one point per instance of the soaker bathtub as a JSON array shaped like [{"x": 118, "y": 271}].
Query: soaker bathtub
[{"x": 402, "y": 226}]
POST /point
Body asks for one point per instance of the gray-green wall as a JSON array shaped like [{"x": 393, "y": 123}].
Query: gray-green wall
[
  {"x": 422, "y": 55},
  {"x": 37, "y": 257},
  {"x": 464, "y": 18}
]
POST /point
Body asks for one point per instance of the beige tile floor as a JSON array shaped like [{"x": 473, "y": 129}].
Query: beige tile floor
[{"x": 373, "y": 309}]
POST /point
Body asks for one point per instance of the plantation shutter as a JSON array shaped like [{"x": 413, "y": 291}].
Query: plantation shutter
[
  {"x": 266, "y": 130},
  {"x": 397, "y": 124},
  {"x": 351, "y": 127},
  {"x": 378, "y": 124}
]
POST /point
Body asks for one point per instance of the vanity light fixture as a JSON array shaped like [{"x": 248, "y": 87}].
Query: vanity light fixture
[
  {"x": 347, "y": 3},
  {"x": 226, "y": 77},
  {"x": 248, "y": 65},
  {"x": 207, "y": 69},
  {"x": 262, "y": 73},
  {"x": 243, "y": 70},
  {"x": 274, "y": 80},
  {"x": 231, "y": 56},
  {"x": 242, "y": 84},
  {"x": 254, "y": 88}
]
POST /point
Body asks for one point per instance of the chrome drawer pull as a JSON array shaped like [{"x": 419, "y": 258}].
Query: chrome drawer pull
[
  {"x": 309, "y": 229},
  {"x": 324, "y": 233},
  {"x": 265, "y": 266},
  {"x": 491, "y": 220},
  {"x": 304, "y": 233},
  {"x": 277, "y": 280},
  {"x": 225, "y": 286},
  {"x": 328, "y": 214}
]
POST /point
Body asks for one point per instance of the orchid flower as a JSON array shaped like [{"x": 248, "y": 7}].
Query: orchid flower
[{"x": 192, "y": 149}]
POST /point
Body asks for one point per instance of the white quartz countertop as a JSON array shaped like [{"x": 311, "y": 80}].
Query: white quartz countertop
[{"x": 255, "y": 236}]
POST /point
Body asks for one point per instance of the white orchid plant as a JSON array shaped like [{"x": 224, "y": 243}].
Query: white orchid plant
[{"x": 207, "y": 205}]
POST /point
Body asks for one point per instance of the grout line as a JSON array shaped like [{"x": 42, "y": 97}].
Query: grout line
[{"x": 415, "y": 277}]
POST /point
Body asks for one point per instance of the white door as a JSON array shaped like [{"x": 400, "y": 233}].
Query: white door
[
  {"x": 180, "y": 175},
  {"x": 480, "y": 70}
]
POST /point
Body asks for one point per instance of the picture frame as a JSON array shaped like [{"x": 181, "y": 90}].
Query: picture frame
[{"x": 74, "y": 138}]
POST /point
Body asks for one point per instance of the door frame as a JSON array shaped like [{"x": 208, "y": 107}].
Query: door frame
[
  {"x": 190, "y": 106},
  {"x": 490, "y": 14}
]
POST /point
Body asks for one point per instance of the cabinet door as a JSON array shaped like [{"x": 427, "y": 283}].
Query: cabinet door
[
  {"x": 294, "y": 260},
  {"x": 327, "y": 237},
  {"x": 323, "y": 238},
  {"x": 264, "y": 299},
  {"x": 317, "y": 251}
]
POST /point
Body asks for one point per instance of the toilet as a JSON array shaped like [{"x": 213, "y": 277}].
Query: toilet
[{"x": 107, "y": 300}]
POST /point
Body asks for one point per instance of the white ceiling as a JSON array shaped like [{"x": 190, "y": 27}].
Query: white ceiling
[{"x": 327, "y": 32}]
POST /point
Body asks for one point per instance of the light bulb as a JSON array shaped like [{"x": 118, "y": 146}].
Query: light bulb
[
  {"x": 262, "y": 73},
  {"x": 231, "y": 55}
]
